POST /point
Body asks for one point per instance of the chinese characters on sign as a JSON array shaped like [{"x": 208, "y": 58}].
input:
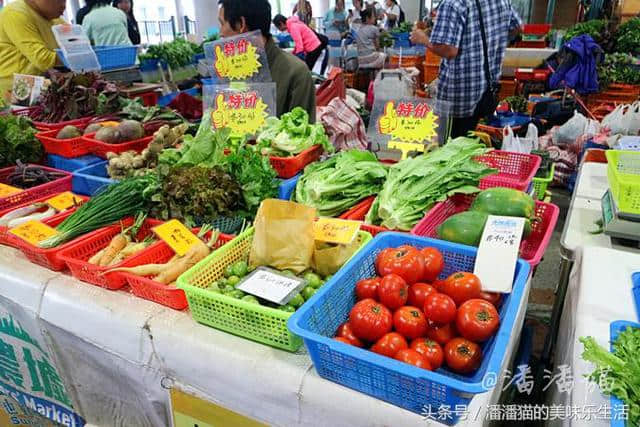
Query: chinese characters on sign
[
  {"x": 271, "y": 285},
  {"x": 337, "y": 231},
  {"x": 33, "y": 232},
  {"x": 410, "y": 125},
  {"x": 64, "y": 201},
  {"x": 177, "y": 236},
  {"x": 236, "y": 59},
  {"x": 7, "y": 190},
  {"x": 243, "y": 112}
]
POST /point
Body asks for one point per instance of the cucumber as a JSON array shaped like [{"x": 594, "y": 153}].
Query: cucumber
[{"x": 505, "y": 202}]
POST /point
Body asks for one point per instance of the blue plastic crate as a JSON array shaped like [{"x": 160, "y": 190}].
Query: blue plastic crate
[
  {"x": 614, "y": 330},
  {"x": 403, "y": 385},
  {"x": 404, "y": 43},
  {"x": 89, "y": 180},
  {"x": 635, "y": 283},
  {"x": 287, "y": 187},
  {"x": 111, "y": 57},
  {"x": 152, "y": 65},
  {"x": 71, "y": 164}
]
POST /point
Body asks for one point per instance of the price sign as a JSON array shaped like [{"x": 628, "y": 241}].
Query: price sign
[
  {"x": 236, "y": 59},
  {"x": 33, "y": 232},
  {"x": 191, "y": 411},
  {"x": 333, "y": 230},
  {"x": 409, "y": 124},
  {"x": 64, "y": 201},
  {"x": 500, "y": 240},
  {"x": 243, "y": 112},
  {"x": 7, "y": 190},
  {"x": 271, "y": 285},
  {"x": 177, "y": 236}
]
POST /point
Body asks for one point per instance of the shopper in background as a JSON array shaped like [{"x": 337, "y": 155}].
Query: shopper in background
[
  {"x": 81, "y": 13},
  {"x": 307, "y": 43},
  {"x": 471, "y": 36},
  {"x": 336, "y": 19},
  {"x": 294, "y": 85},
  {"x": 391, "y": 14},
  {"x": 132, "y": 25},
  {"x": 303, "y": 10},
  {"x": 27, "y": 44},
  {"x": 367, "y": 40},
  {"x": 355, "y": 17},
  {"x": 105, "y": 25}
]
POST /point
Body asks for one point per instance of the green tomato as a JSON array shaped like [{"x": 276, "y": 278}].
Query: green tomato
[
  {"x": 308, "y": 292},
  {"x": 251, "y": 299},
  {"x": 239, "y": 269},
  {"x": 237, "y": 294},
  {"x": 297, "y": 301},
  {"x": 227, "y": 288},
  {"x": 228, "y": 270},
  {"x": 233, "y": 281},
  {"x": 313, "y": 280},
  {"x": 326, "y": 279},
  {"x": 288, "y": 308},
  {"x": 214, "y": 288},
  {"x": 288, "y": 273}
]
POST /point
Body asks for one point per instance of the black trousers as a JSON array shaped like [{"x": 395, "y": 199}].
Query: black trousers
[
  {"x": 312, "y": 57},
  {"x": 461, "y": 126}
]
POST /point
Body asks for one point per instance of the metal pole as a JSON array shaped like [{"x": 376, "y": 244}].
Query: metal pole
[
  {"x": 551, "y": 7},
  {"x": 421, "y": 11}
]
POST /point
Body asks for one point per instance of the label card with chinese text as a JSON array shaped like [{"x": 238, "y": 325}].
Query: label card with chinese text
[
  {"x": 498, "y": 253},
  {"x": 239, "y": 58},
  {"x": 64, "y": 201},
  {"x": 241, "y": 107},
  {"x": 177, "y": 236},
  {"x": 7, "y": 190},
  {"x": 270, "y": 284},
  {"x": 334, "y": 230},
  {"x": 26, "y": 89},
  {"x": 33, "y": 232}
]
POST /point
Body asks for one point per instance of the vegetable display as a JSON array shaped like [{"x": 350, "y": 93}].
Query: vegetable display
[
  {"x": 34, "y": 212},
  {"x": 177, "y": 53},
  {"x": 618, "y": 68},
  {"x": 292, "y": 134},
  {"x": 403, "y": 27},
  {"x": 620, "y": 369},
  {"x": 628, "y": 37},
  {"x": 416, "y": 184},
  {"x": 18, "y": 141},
  {"x": 122, "y": 246},
  {"x": 518, "y": 103},
  {"x": 28, "y": 176},
  {"x": 338, "y": 183},
  {"x": 595, "y": 28},
  {"x": 399, "y": 316}
]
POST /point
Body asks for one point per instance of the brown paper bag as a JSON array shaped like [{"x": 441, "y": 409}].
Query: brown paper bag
[
  {"x": 283, "y": 236},
  {"x": 327, "y": 259}
]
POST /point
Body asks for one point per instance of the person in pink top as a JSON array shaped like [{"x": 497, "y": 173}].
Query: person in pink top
[{"x": 307, "y": 43}]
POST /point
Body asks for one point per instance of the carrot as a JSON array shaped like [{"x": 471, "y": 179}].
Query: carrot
[
  {"x": 141, "y": 270},
  {"x": 118, "y": 243},
  {"x": 95, "y": 260},
  {"x": 135, "y": 248},
  {"x": 196, "y": 254}
]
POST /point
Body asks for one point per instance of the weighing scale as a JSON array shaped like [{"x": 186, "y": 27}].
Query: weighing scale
[{"x": 622, "y": 227}]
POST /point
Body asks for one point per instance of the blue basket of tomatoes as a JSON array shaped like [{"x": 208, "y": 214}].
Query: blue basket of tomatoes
[{"x": 400, "y": 322}]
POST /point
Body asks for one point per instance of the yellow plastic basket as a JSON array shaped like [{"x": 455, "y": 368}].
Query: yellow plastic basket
[
  {"x": 540, "y": 184},
  {"x": 623, "y": 172},
  {"x": 255, "y": 322}
]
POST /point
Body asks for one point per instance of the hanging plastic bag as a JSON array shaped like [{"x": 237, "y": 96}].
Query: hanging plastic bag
[
  {"x": 515, "y": 144},
  {"x": 570, "y": 131},
  {"x": 632, "y": 119},
  {"x": 593, "y": 128},
  {"x": 614, "y": 121}
]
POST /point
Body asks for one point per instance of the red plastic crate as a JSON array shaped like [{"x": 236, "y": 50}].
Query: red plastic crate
[
  {"x": 288, "y": 167},
  {"x": 359, "y": 212},
  {"x": 76, "y": 256},
  {"x": 31, "y": 194},
  {"x": 532, "y": 44},
  {"x": 144, "y": 287},
  {"x": 531, "y": 250},
  {"x": 515, "y": 170},
  {"x": 101, "y": 149},
  {"x": 536, "y": 29},
  {"x": 4, "y": 230},
  {"x": 44, "y": 126},
  {"x": 74, "y": 147}
]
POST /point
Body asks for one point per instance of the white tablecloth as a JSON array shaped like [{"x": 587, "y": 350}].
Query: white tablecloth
[{"x": 114, "y": 350}]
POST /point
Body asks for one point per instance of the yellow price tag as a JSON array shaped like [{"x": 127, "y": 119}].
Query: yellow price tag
[
  {"x": 333, "y": 230},
  {"x": 409, "y": 124},
  {"x": 237, "y": 60},
  {"x": 190, "y": 411},
  {"x": 7, "y": 190},
  {"x": 243, "y": 113},
  {"x": 177, "y": 236},
  {"x": 33, "y": 232},
  {"x": 64, "y": 201}
]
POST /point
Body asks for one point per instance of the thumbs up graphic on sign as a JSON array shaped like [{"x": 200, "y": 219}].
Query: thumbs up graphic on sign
[
  {"x": 389, "y": 120},
  {"x": 221, "y": 65},
  {"x": 219, "y": 115}
]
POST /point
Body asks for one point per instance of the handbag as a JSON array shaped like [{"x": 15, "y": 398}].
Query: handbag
[
  {"x": 489, "y": 100},
  {"x": 333, "y": 87}
]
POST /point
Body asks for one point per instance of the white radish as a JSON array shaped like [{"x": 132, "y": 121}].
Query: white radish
[
  {"x": 35, "y": 217},
  {"x": 19, "y": 213}
]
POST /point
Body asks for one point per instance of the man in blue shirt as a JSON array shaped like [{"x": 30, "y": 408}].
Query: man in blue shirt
[{"x": 457, "y": 38}]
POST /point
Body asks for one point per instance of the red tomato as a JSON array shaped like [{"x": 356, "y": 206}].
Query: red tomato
[
  {"x": 462, "y": 287},
  {"x": 343, "y": 339},
  {"x": 493, "y": 297},
  {"x": 367, "y": 288},
  {"x": 431, "y": 350},
  {"x": 440, "y": 308},
  {"x": 410, "y": 322},
  {"x": 462, "y": 356},
  {"x": 405, "y": 261},
  {"x": 370, "y": 320},
  {"x": 418, "y": 293},
  {"x": 414, "y": 358},
  {"x": 390, "y": 344},
  {"x": 477, "y": 320},
  {"x": 345, "y": 331},
  {"x": 438, "y": 284},
  {"x": 442, "y": 334},
  {"x": 393, "y": 291},
  {"x": 433, "y": 263}
]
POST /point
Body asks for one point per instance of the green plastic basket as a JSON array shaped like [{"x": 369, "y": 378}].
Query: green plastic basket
[
  {"x": 255, "y": 322},
  {"x": 540, "y": 184},
  {"x": 623, "y": 172}
]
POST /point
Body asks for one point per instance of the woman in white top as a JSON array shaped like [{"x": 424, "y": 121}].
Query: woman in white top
[{"x": 391, "y": 14}]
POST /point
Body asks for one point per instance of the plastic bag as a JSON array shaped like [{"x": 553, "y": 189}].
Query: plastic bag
[
  {"x": 515, "y": 144},
  {"x": 632, "y": 119},
  {"x": 592, "y": 128},
  {"x": 570, "y": 131},
  {"x": 615, "y": 120}
]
